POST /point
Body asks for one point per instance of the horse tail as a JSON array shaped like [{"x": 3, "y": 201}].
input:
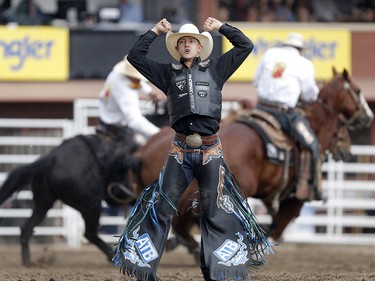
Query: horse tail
[{"x": 18, "y": 178}]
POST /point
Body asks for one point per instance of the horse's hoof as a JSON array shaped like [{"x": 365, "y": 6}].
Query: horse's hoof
[
  {"x": 171, "y": 244},
  {"x": 26, "y": 263},
  {"x": 197, "y": 257},
  {"x": 25, "y": 259}
]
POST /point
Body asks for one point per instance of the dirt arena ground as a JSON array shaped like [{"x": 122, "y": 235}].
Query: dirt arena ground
[{"x": 292, "y": 262}]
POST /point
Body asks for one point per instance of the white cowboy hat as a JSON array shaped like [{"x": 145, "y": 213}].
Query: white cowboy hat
[
  {"x": 127, "y": 69},
  {"x": 189, "y": 29},
  {"x": 294, "y": 40}
]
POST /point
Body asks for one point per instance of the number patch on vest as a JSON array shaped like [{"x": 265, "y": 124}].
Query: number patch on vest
[{"x": 202, "y": 94}]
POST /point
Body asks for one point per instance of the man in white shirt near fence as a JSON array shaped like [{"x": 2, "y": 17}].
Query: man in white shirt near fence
[
  {"x": 282, "y": 77},
  {"x": 119, "y": 105}
]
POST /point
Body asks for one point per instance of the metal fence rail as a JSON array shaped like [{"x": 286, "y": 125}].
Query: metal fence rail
[{"x": 21, "y": 142}]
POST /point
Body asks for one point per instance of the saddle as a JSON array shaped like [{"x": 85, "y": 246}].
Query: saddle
[
  {"x": 92, "y": 142},
  {"x": 278, "y": 145},
  {"x": 279, "y": 150},
  {"x": 104, "y": 149}
]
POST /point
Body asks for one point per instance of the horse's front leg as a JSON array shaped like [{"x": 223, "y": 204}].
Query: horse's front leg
[
  {"x": 288, "y": 210},
  {"x": 91, "y": 217},
  {"x": 182, "y": 226},
  {"x": 270, "y": 208},
  {"x": 185, "y": 220}
]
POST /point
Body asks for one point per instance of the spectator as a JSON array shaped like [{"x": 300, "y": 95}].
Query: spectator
[
  {"x": 302, "y": 10},
  {"x": 297, "y": 10},
  {"x": 26, "y": 12},
  {"x": 282, "y": 10},
  {"x": 224, "y": 11},
  {"x": 364, "y": 11},
  {"x": 5, "y": 5},
  {"x": 130, "y": 12},
  {"x": 170, "y": 12},
  {"x": 239, "y": 9},
  {"x": 325, "y": 10},
  {"x": 253, "y": 11}
]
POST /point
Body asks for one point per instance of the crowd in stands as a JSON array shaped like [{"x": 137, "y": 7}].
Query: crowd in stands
[
  {"x": 27, "y": 12},
  {"x": 31, "y": 12},
  {"x": 298, "y": 10}
]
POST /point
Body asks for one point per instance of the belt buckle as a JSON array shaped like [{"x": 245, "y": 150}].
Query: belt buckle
[{"x": 194, "y": 140}]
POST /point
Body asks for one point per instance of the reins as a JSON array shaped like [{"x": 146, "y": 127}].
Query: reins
[{"x": 131, "y": 195}]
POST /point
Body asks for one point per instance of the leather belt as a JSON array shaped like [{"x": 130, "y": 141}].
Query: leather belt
[
  {"x": 195, "y": 140},
  {"x": 274, "y": 105}
]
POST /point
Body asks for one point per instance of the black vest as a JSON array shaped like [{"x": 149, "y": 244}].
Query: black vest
[{"x": 193, "y": 91}]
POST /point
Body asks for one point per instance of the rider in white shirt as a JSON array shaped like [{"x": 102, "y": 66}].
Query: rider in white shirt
[
  {"x": 282, "y": 77},
  {"x": 119, "y": 106}
]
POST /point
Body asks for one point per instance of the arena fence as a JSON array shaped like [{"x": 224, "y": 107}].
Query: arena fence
[{"x": 347, "y": 216}]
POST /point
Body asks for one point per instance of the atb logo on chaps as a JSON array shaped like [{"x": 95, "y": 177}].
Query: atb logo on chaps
[
  {"x": 227, "y": 250},
  {"x": 146, "y": 248}
]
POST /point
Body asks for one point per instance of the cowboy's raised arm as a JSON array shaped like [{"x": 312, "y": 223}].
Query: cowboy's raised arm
[
  {"x": 212, "y": 24},
  {"x": 151, "y": 69},
  {"x": 163, "y": 26},
  {"x": 242, "y": 47}
]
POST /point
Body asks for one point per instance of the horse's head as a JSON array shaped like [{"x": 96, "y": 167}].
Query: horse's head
[{"x": 345, "y": 97}]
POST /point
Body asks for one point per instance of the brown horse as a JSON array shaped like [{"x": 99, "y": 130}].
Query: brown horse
[{"x": 244, "y": 153}]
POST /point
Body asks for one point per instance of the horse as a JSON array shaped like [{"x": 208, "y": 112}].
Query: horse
[
  {"x": 81, "y": 172},
  {"x": 243, "y": 149}
]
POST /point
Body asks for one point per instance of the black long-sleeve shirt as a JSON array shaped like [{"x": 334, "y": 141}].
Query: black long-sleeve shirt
[{"x": 221, "y": 68}]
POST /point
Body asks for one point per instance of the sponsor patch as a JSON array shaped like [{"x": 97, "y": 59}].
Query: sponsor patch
[
  {"x": 181, "y": 84},
  {"x": 146, "y": 248},
  {"x": 182, "y": 95},
  {"x": 227, "y": 250},
  {"x": 202, "y": 94},
  {"x": 278, "y": 70}
]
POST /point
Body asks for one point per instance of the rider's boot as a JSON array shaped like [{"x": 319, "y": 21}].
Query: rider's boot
[
  {"x": 316, "y": 181},
  {"x": 302, "y": 188},
  {"x": 309, "y": 185}
]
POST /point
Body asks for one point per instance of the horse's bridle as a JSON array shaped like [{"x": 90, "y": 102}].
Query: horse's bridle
[
  {"x": 359, "y": 101},
  {"x": 356, "y": 119}
]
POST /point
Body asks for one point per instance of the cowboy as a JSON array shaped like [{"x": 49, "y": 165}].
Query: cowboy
[
  {"x": 232, "y": 242},
  {"x": 119, "y": 109},
  {"x": 282, "y": 78}
]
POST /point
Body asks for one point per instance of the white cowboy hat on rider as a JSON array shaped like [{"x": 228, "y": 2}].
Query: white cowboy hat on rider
[
  {"x": 127, "y": 69},
  {"x": 294, "y": 40},
  {"x": 189, "y": 29}
]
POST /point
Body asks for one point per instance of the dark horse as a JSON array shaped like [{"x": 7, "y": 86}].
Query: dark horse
[
  {"x": 245, "y": 154},
  {"x": 79, "y": 172}
]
